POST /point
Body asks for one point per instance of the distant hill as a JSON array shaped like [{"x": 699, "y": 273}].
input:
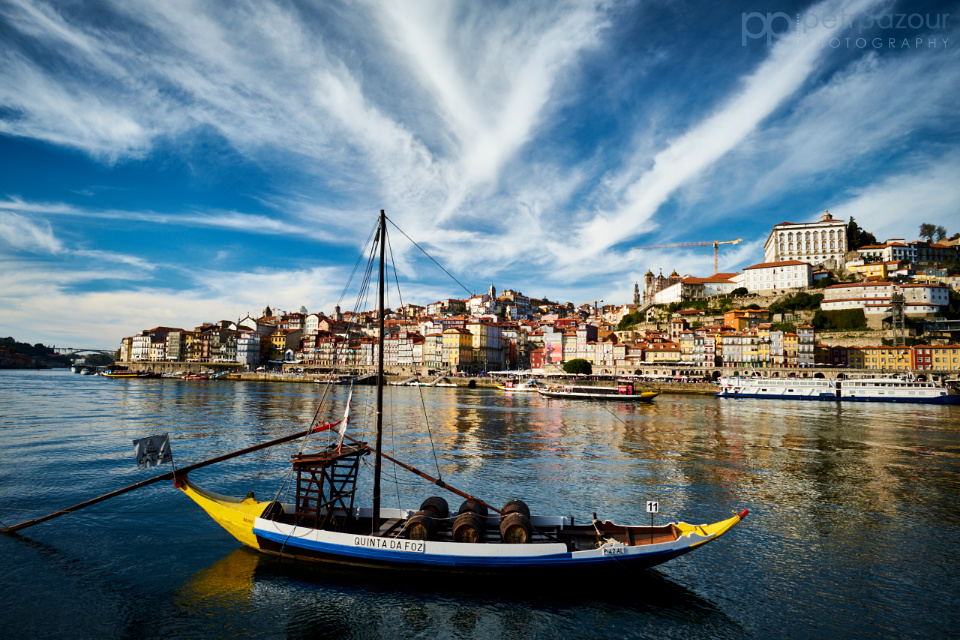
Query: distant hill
[{"x": 20, "y": 355}]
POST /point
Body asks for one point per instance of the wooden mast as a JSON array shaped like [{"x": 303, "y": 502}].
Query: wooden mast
[{"x": 375, "y": 524}]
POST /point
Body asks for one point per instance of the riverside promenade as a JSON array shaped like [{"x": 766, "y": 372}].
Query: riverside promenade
[
  {"x": 685, "y": 380},
  {"x": 465, "y": 382}
]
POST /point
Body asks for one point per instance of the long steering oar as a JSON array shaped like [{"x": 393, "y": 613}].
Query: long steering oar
[{"x": 169, "y": 475}]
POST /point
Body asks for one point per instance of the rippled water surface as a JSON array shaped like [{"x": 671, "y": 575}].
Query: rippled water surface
[{"x": 852, "y": 532}]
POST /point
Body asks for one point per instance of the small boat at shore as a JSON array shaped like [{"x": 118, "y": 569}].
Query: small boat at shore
[
  {"x": 894, "y": 388},
  {"x": 125, "y": 373},
  {"x": 527, "y": 386},
  {"x": 623, "y": 392}
]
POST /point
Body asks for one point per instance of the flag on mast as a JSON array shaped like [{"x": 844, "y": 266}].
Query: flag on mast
[
  {"x": 343, "y": 423},
  {"x": 152, "y": 451}
]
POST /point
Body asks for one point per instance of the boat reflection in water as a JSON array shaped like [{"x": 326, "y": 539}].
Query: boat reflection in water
[{"x": 308, "y": 600}]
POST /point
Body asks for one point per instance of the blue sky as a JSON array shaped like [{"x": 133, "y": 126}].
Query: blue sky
[{"x": 172, "y": 163}]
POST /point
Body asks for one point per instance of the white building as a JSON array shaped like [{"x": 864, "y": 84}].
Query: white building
[
  {"x": 311, "y": 324},
  {"x": 938, "y": 295},
  {"x": 141, "y": 347},
  {"x": 875, "y": 297},
  {"x": 248, "y": 348},
  {"x": 777, "y": 277},
  {"x": 690, "y": 288},
  {"x": 813, "y": 242},
  {"x": 892, "y": 250}
]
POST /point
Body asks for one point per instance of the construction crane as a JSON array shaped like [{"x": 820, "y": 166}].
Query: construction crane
[{"x": 715, "y": 243}]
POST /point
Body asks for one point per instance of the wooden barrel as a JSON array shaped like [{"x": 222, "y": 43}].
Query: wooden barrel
[
  {"x": 515, "y": 506},
  {"x": 437, "y": 505},
  {"x": 472, "y": 506},
  {"x": 515, "y": 528},
  {"x": 468, "y": 527},
  {"x": 421, "y": 526}
]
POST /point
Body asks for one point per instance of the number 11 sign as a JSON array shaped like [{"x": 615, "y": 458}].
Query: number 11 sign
[{"x": 652, "y": 507}]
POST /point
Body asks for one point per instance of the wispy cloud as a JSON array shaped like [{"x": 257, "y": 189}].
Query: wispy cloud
[
  {"x": 22, "y": 234},
  {"x": 897, "y": 205},
  {"x": 777, "y": 78}
]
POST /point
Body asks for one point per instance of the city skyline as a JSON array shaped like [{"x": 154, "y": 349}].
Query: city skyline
[{"x": 167, "y": 164}]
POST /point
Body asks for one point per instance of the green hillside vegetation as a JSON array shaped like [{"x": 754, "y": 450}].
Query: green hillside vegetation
[
  {"x": 842, "y": 319},
  {"x": 801, "y": 301}
]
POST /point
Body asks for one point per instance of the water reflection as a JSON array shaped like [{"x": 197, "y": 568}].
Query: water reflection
[{"x": 324, "y": 602}]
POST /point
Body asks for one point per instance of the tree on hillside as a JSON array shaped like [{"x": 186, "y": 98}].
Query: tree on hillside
[
  {"x": 932, "y": 232},
  {"x": 857, "y": 237}
]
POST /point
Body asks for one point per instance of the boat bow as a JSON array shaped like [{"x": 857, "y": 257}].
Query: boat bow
[{"x": 236, "y": 515}]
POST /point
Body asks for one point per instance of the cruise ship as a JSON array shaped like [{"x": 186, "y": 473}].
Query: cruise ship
[{"x": 854, "y": 389}]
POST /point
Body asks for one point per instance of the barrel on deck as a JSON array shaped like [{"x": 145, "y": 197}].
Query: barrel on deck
[
  {"x": 515, "y": 506},
  {"x": 437, "y": 505},
  {"x": 421, "y": 526},
  {"x": 473, "y": 506},
  {"x": 469, "y": 527},
  {"x": 515, "y": 528}
]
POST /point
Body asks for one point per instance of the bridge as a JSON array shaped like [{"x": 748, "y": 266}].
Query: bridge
[{"x": 69, "y": 351}]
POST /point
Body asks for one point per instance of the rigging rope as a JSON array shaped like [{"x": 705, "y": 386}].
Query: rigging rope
[
  {"x": 429, "y": 256},
  {"x": 423, "y": 404}
]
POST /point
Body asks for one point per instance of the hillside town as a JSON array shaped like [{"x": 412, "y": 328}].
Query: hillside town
[{"x": 826, "y": 294}]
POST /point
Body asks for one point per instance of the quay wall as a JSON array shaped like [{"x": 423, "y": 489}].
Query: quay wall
[{"x": 401, "y": 374}]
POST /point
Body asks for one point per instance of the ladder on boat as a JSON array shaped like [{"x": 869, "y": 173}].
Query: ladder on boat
[{"x": 326, "y": 486}]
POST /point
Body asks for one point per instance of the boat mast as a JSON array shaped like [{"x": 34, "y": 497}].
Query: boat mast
[{"x": 376, "y": 468}]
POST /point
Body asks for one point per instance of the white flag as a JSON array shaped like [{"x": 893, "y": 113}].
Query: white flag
[
  {"x": 152, "y": 451},
  {"x": 346, "y": 419}
]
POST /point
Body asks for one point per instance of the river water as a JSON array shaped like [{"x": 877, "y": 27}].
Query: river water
[{"x": 853, "y": 528}]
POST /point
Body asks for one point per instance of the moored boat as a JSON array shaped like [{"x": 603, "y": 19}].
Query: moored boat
[
  {"x": 623, "y": 392},
  {"x": 526, "y": 386},
  {"x": 464, "y": 542},
  {"x": 322, "y": 523},
  {"x": 892, "y": 388}
]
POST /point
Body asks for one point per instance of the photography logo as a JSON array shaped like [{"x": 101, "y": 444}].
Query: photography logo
[{"x": 877, "y": 31}]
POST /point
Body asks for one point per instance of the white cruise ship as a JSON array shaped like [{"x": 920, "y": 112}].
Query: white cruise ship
[{"x": 856, "y": 389}]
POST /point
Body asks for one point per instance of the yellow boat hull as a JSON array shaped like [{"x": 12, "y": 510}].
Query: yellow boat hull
[{"x": 233, "y": 514}]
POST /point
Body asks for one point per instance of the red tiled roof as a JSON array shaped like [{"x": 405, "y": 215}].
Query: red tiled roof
[{"x": 785, "y": 263}]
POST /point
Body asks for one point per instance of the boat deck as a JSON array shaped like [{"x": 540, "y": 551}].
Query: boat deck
[{"x": 575, "y": 537}]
